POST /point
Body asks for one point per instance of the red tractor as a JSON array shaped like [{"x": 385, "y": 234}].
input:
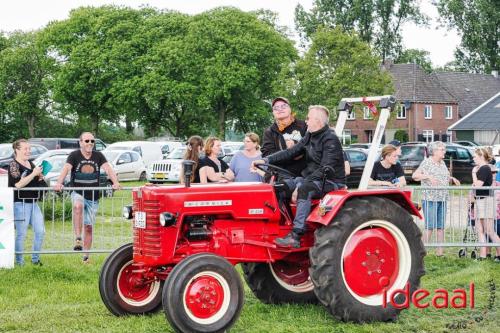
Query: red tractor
[{"x": 359, "y": 246}]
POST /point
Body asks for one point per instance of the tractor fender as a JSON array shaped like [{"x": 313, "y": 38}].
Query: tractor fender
[{"x": 332, "y": 202}]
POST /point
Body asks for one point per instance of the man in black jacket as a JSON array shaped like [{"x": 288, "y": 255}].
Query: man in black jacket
[
  {"x": 284, "y": 133},
  {"x": 321, "y": 148}
]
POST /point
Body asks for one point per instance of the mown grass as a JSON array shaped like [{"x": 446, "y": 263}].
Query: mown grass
[{"x": 63, "y": 296}]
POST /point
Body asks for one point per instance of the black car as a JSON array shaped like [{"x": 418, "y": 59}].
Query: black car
[
  {"x": 357, "y": 159},
  {"x": 7, "y": 153},
  {"x": 64, "y": 143},
  {"x": 458, "y": 159},
  {"x": 412, "y": 154}
]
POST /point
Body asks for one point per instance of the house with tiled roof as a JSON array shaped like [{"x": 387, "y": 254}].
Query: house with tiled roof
[
  {"x": 482, "y": 124},
  {"x": 428, "y": 103}
]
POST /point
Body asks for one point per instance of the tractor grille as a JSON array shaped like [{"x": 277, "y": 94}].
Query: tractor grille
[{"x": 147, "y": 241}]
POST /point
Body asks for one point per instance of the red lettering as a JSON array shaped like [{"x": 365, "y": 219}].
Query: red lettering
[
  {"x": 471, "y": 293},
  {"x": 416, "y": 298},
  {"x": 461, "y": 296},
  {"x": 406, "y": 294},
  {"x": 444, "y": 297}
]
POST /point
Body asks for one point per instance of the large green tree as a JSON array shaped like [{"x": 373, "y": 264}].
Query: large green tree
[
  {"x": 94, "y": 52},
  {"x": 478, "y": 22},
  {"x": 338, "y": 65},
  {"x": 237, "y": 57},
  {"x": 378, "y": 22},
  {"x": 417, "y": 56},
  {"x": 24, "y": 72}
]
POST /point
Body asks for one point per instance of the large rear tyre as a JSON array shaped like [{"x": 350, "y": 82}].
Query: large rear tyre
[
  {"x": 371, "y": 246},
  {"x": 280, "y": 282},
  {"x": 203, "y": 293},
  {"x": 123, "y": 287}
]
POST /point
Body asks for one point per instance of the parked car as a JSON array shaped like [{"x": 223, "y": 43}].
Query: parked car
[
  {"x": 168, "y": 146},
  {"x": 128, "y": 165},
  {"x": 149, "y": 151},
  {"x": 412, "y": 154},
  {"x": 467, "y": 143},
  {"x": 49, "y": 153},
  {"x": 167, "y": 170},
  {"x": 460, "y": 162},
  {"x": 357, "y": 159},
  {"x": 230, "y": 147},
  {"x": 65, "y": 143},
  {"x": 7, "y": 153}
]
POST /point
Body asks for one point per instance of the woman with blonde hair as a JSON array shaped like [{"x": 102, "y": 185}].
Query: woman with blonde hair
[
  {"x": 242, "y": 160},
  {"x": 213, "y": 168},
  {"x": 387, "y": 171},
  {"x": 194, "y": 147},
  {"x": 485, "y": 209}
]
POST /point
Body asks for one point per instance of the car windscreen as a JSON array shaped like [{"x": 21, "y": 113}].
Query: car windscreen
[
  {"x": 412, "y": 153},
  {"x": 177, "y": 154},
  {"x": 6, "y": 151},
  {"x": 57, "y": 162},
  {"x": 110, "y": 155}
]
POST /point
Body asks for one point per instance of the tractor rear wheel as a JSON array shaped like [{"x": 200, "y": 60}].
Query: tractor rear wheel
[
  {"x": 371, "y": 247},
  {"x": 124, "y": 289},
  {"x": 203, "y": 293},
  {"x": 281, "y": 282}
]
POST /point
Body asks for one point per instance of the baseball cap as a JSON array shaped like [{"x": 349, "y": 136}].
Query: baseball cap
[
  {"x": 395, "y": 143},
  {"x": 283, "y": 99}
]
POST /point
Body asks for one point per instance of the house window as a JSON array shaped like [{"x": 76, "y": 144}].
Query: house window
[
  {"x": 351, "y": 115},
  {"x": 428, "y": 135},
  {"x": 448, "y": 112},
  {"x": 428, "y": 112},
  {"x": 367, "y": 113},
  {"x": 401, "y": 112},
  {"x": 346, "y": 137},
  {"x": 448, "y": 136}
]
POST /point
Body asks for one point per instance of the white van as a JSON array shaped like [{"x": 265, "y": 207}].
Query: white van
[{"x": 149, "y": 151}]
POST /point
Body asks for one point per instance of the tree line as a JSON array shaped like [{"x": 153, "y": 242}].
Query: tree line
[{"x": 109, "y": 68}]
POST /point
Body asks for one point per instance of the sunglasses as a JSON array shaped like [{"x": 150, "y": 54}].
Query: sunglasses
[
  {"x": 280, "y": 107},
  {"x": 87, "y": 141}
]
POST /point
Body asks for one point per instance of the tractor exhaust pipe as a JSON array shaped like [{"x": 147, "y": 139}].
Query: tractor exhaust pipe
[{"x": 187, "y": 166}]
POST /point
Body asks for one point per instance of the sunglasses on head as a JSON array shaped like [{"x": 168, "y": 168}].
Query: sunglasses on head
[{"x": 87, "y": 141}]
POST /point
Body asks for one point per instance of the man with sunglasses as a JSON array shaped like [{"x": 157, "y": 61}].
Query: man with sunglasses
[
  {"x": 84, "y": 165},
  {"x": 284, "y": 133}
]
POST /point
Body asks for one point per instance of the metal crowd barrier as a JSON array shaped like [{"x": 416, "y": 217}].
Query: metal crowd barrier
[
  {"x": 460, "y": 216},
  {"x": 111, "y": 230}
]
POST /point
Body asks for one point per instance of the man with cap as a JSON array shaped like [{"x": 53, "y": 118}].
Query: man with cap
[
  {"x": 284, "y": 133},
  {"x": 324, "y": 171}
]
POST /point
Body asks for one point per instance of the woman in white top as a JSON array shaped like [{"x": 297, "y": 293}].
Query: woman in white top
[{"x": 433, "y": 172}]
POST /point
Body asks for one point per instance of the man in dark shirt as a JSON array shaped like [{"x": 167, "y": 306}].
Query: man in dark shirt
[
  {"x": 84, "y": 165},
  {"x": 321, "y": 148},
  {"x": 284, "y": 133}
]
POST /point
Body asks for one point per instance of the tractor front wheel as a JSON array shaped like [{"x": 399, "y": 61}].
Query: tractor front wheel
[
  {"x": 124, "y": 288},
  {"x": 370, "y": 249},
  {"x": 203, "y": 293}
]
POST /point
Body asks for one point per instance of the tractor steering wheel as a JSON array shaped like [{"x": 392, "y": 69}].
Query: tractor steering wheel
[{"x": 273, "y": 170}]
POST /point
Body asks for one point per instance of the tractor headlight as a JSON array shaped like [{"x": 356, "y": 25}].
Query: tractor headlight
[
  {"x": 167, "y": 219},
  {"x": 127, "y": 212}
]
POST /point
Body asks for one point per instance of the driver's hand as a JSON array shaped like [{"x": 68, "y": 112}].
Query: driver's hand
[{"x": 253, "y": 167}]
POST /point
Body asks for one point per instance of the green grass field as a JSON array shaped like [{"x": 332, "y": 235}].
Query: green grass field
[{"x": 63, "y": 296}]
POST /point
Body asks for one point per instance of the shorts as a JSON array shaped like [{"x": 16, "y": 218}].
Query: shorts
[
  {"x": 434, "y": 214},
  {"x": 89, "y": 208},
  {"x": 485, "y": 208}
]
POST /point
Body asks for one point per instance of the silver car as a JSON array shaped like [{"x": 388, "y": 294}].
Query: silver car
[{"x": 128, "y": 165}]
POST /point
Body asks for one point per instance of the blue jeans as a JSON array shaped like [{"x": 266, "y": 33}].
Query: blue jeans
[
  {"x": 25, "y": 214},
  {"x": 434, "y": 214}
]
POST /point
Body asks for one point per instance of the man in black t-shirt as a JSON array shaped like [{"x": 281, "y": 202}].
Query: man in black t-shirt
[{"x": 84, "y": 165}]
